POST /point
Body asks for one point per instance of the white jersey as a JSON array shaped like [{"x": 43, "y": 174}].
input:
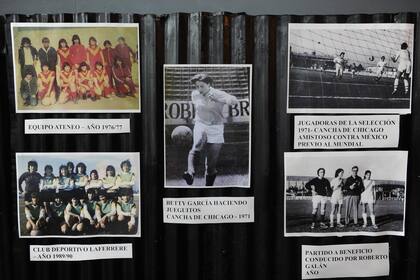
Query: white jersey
[
  {"x": 381, "y": 64},
  {"x": 337, "y": 195},
  {"x": 339, "y": 61},
  {"x": 209, "y": 106},
  {"x": 403, "y": 58},
  {"x": 368, "y": 195}
]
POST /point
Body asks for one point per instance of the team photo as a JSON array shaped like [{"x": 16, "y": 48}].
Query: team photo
[
  {"x": 345, "y": 193},
  {"x": 78, "y": 194},
  {"x": 73, "y": 67},
  {"x": 350, "y": 68},
  {"x": 207, "y": 121}
]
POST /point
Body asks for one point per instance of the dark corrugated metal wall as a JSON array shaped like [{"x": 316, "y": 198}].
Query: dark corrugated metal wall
[{"x": 190, "y": 252}]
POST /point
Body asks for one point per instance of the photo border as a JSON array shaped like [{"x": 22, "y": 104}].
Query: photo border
[
  {"x": 403, "y": 111},
  {"x": 139, "y": 226},
  {"x": 85, "y": 25},
  {"x": 351, "y": 233},
  {"x": 250, "y": 123}
]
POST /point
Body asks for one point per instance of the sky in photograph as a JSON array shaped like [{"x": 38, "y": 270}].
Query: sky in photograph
[
  {"x": 358, "y": 44},
  {"x": 384, "y": 165}
]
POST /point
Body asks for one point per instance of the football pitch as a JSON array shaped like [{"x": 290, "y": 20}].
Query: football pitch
[
  {"x": 389, "y": 217},
  {"x": 322, "y": 90}
]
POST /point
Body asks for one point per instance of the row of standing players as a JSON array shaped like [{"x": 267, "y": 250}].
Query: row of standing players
[
  {"x": 351, "y": 191},
  {"x": 74, "y": 202},
  {"x": 84, "y": 72}
]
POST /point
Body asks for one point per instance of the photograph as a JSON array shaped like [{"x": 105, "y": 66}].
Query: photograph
[
  {"x": 345, "y": 193},
  {"x": 76, "y": 67},
  {"x": 207, "y": 125},
  {"x": 350, "y": 68},
  {"x": 77, "y": 195}
]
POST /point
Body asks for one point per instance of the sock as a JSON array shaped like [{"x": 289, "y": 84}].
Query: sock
[
  {"x": 396, "y": 83},
  {"x": 406, "y": 85},
  {"x": 364, "y": 215},
  {"x": 322, "y": 218},
  {"x": 338, "y": 218},
  {"x": 332, "y": 218},
  {"x": 313, "y": 218},
  {"x": 372, "y": 217}
]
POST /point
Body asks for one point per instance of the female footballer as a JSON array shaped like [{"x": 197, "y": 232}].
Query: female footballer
[
  {"x": 126, "y": 178},
  {"x": 94, "y": 182},
  {"x": 73, "y": 214},
  {"x": 80, "y": 179},
  {"x": 208, "y": 127},
  {"x": 403, "y": 57},
  {"x": 367, "y": 199},
  {"x": 337, "y": 197},
  {"x": 109, "y": 182}
]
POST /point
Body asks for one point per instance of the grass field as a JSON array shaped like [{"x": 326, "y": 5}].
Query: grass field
[
  {"x": 389, "y": 217},
  {"x": 22, "y": 221},
  {"x": 321, "y": 90}
]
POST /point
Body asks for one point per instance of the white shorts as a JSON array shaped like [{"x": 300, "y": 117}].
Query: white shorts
[
  {"x": 367, "y": 197},
  {"x": 317, "y": 199},
  {"x": 336, "y": 200},
  {"x": 405, "y": 66},
  {"x": 207, "y": 134}
]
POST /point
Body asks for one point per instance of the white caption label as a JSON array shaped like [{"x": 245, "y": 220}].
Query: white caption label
[
  {"x": 76, "y": 252},
  {"x": 208, "y": 210},
  {"x": 346, "y": 132},
  {"x": 76, "y": 126},
  {"x": 350, "y": 260}
]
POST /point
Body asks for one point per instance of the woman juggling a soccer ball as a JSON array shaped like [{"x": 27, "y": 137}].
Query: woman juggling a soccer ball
[{"x": 208, "y": 127}]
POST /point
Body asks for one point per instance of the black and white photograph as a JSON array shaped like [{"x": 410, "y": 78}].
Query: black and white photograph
[
  {"x": 207, "y": 125},
  {"x": 345, "y": 193},
  {"x": 77, "y": 195},
  {"x": 350, "y": 68}
]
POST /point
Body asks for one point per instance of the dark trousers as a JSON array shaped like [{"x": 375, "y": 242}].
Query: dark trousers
[{"x": 351, "y": 208}]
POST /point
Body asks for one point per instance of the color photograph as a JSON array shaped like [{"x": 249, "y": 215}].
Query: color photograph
[
  {"x": 345, "y": 193},
  {"x": 76, "y": 195},
  {"x": 350, "y": 68},
  {"x": 74, "y": 67},
  {"x": 207, "y": 126}
]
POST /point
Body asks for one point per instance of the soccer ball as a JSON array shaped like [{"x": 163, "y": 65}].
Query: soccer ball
[
  {"x": 35, "y": 232},
  {"x": 181, "y": 135}
]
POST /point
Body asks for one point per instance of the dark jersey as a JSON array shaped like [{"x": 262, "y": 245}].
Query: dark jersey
[
  {"x": 57, "y": 210},
  {"x": 31, "y": 180},
  {"x": 358, "y": 186},
  {"x": 322, "y": 186},
  {"x": 34, "y": 210}
]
